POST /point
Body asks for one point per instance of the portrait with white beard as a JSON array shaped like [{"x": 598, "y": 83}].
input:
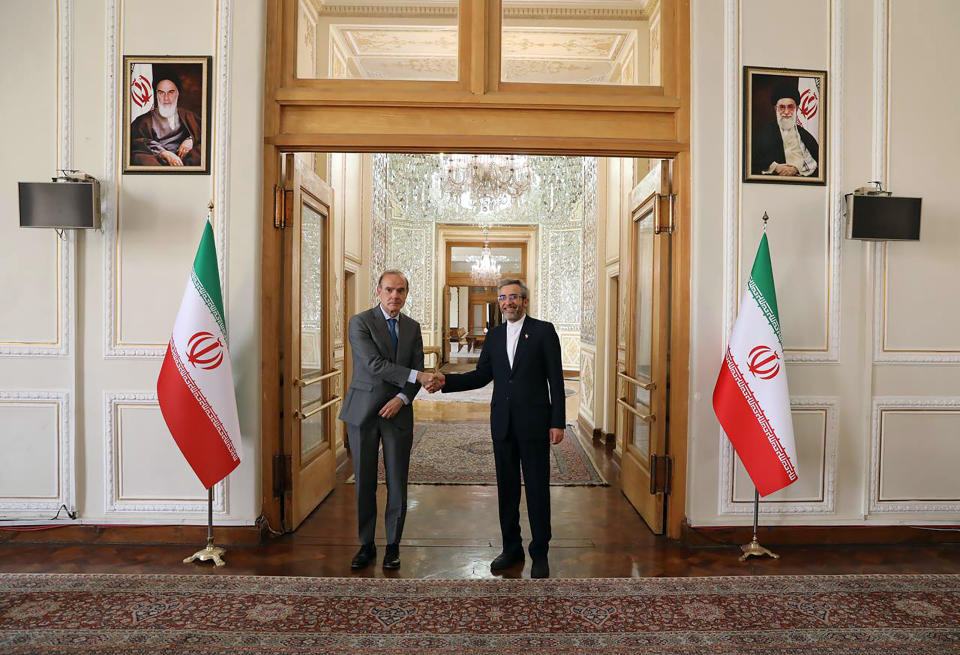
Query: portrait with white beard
[
  {"x": 167, "y": 117},
  {"x": 784, "y": 125}
]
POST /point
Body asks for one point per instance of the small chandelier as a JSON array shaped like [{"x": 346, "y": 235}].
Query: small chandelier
[
  {"x": 485, "y": 183},
  {"x": 485, "y": 271}
]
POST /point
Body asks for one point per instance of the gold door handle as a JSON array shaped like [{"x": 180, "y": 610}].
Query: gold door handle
[
  {"x": 319, "y": 377},
  {"x": 297, "y": 414},
  {"x": 646, "y": 418},
  {"x": 649, "y": 385}
]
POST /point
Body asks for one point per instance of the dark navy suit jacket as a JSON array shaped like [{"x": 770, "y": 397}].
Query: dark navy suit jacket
[{"x": 527, "y": 399}]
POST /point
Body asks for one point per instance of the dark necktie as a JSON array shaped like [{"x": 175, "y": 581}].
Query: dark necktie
[{"x": 392, "y": 323}]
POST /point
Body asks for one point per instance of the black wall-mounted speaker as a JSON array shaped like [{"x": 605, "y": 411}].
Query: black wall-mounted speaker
[
  {"x": 879, "y": 217},
  {"x": 60, "y": 204}
]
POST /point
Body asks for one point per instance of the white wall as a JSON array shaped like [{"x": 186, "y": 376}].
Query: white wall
[
  {"x": 869, "y": 329},
  {"x": 81, "y": 350}
]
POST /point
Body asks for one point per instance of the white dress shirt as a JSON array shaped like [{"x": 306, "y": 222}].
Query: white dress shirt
[
  {"x": 514, "y": 328},
  {"x": 795, "y": 153},
  {"x": 412, "y": 377}
]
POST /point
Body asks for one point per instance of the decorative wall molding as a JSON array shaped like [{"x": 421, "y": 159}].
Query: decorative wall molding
[
  {"x": 880, "y": 403},
  {"x": 727, "y": 505},
  {"x": 67, "y": 245},
  {"x": 411, "y": 248},
  {"x": 221, "y": 137},
  {"x": 378, "y": 225},
  {"x": 732, "y": 184},
  {"x": 112, "y": 502},
  {"x": 589, "y": 283},
  {"x": 588, "y": 356},
  {"x": 66, "y": 466},
  {"x": 880, "y": 171},
  {"x": 570, "y": 350},
  {"x": 732, "y": 84},
  {"x": 110, "y": 184}
]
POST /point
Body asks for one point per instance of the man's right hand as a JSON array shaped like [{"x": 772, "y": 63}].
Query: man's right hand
[
  {"x": 170, "y": 158},
  {"x": 786, "y": 169},
  {"x": 431, "y": 381}
]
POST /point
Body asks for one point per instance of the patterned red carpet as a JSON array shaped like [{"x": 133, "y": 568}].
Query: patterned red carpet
[
  {"x": 246, "y": 614},
  {"x": 462, "y": 453}
]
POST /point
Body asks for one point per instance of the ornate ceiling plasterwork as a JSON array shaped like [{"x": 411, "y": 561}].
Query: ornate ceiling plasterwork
[{"x": 531, "y": 54}]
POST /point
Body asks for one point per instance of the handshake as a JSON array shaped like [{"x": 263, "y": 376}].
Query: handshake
[{"x": 431, "y": 381}]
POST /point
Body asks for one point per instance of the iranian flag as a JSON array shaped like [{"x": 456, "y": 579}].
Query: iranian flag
[
  {"x": 808, "y": 110},
  {"x": 751, "y": 398},
  {"x": 195, "y": 387}
]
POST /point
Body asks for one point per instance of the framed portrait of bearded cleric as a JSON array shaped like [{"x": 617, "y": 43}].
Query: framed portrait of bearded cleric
[
  {"x": 167, "y": 115},
  {"x": 784, "y": 125}
]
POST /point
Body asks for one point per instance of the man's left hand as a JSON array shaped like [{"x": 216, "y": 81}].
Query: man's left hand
[
  {"x": 556, "y": 435},
  {"x": 185, "y": 147},
  {"x": 391, "y": 408}
]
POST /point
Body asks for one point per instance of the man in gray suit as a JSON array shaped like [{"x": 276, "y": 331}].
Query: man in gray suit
[{"x": 387, "y": 374}]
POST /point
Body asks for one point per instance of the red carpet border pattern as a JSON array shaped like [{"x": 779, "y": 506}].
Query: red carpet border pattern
[
  {"x": 70, "y": 613},
  {"x": 462, "y": 453}
]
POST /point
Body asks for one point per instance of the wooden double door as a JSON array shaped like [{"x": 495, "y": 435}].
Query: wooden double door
[{"x": 644, "y": 348}]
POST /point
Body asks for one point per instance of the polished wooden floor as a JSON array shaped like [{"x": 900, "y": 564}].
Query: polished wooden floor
[{"x": 452, "y": 532}]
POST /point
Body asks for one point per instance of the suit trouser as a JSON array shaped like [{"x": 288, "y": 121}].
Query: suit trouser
[
  {"x": 533, "y": 457},
  {"x": 364, "y": 448}
]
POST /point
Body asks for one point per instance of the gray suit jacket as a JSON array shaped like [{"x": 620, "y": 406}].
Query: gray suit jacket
[{"x": 378, "y": 375}]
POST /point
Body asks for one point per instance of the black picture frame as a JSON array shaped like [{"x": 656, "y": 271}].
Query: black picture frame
[
  {"x": 763, "y": 145},
  {"x": 143, "y": 151}
]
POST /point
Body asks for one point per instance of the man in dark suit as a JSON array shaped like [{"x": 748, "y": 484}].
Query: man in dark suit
[
  {"x": 387, "y": 374},
  {"x": 782, "y": 146},
  {"x": 527, "y": 414}
]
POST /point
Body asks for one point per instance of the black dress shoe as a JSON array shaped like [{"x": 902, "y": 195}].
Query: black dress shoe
[
  {"x": 506, "y": 559},
  {"x": 391, "y": 559},
  {"x": 366, "y": 554},
  {"x": 540, "y": 568}
]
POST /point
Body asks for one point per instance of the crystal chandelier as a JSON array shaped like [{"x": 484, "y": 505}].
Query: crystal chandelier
[
  {"x": 485, "y": 271},
  {"x": 484, "y": 183}
]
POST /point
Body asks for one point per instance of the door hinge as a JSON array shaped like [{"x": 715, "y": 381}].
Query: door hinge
[
  {"x": 667, "y": 205},
  {"x": 661, "y": 469},
  {"x": 282, "y": 207},
  {"x": 282, "y": 475}
]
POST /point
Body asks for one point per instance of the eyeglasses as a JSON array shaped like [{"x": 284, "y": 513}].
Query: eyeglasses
[{"x": 513, "y": 296}]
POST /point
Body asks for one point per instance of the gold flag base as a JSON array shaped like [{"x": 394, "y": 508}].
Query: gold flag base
[
  {"x": 754, "y": 549},
  {"x": 211, "y": 552}
]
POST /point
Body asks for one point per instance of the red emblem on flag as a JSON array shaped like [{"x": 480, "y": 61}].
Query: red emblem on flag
[
  {"x": 204, "y": 350},
  {"x": 141, "y": 91},
  {"x": 809, "y": 104},
  {"x": 764, "y": 362}
]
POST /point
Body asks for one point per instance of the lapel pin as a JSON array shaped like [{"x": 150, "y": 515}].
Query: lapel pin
[{"x": 526, "y": 336}]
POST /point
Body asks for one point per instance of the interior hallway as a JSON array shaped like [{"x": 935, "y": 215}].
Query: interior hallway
[{"x": 452, "y": 532}]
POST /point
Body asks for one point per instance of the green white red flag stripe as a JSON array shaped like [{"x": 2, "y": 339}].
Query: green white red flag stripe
[
  {"x": 751, "y": 398},
  {"x": 195, "y": 387}
]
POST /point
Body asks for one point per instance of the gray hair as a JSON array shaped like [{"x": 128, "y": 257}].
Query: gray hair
[
  {"x": 393, "y": 271},
  {"x": 519, "y": 283}
]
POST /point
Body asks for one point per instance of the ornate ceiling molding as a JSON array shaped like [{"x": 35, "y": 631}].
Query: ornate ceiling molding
[{"x": 441, "y": 11}]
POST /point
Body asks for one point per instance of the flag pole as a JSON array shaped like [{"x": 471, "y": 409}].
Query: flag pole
[
  {"x": 212, "y": 552},
  {"x": 754, "y": 548}
]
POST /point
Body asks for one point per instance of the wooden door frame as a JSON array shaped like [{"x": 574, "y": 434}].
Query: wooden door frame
[{"x": 478, "y": 113}]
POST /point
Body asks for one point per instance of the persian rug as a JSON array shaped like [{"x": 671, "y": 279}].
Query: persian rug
[
  {"x": 481, "y": 395},
  {"x": 72, "y": 613},
  {"x": 462, "y": 453}
]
